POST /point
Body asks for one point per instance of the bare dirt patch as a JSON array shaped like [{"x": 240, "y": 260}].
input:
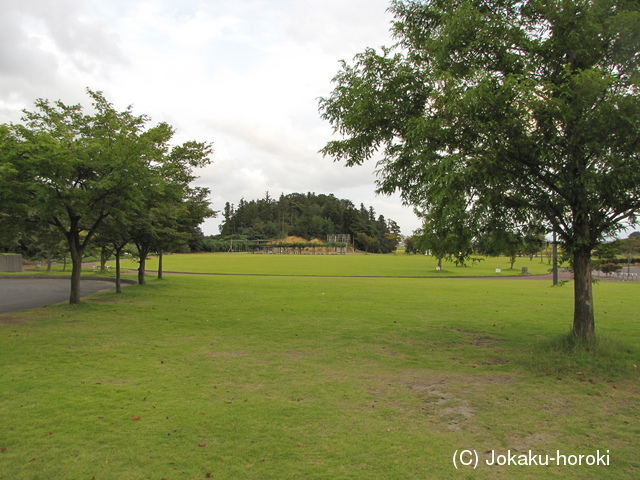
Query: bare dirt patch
[
  {"x": 12, "y": 320},
  {"x": 445, "y": 400},
  {"x": 448, "y": 401}
]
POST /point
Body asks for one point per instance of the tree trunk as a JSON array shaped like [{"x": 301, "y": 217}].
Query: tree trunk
[
  {"x": 160, "y": 265},
  {"x": 555, "y": 260},
  {"x": 118, "y": 275},
  {"x": 143, "y": 252},
  {"x": 76, "y": 266},
  {"x": 103, "y": 259},
  {"x": 141, "y": 268},
  {"x": 583, "y": 314}
]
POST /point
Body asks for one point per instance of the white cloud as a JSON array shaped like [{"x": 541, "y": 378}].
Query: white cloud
[{"x": 244, "y": 74}]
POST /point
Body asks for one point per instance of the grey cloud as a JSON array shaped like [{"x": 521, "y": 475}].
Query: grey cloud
[
  {"x": 329, "y": 25},
  {"x": 85, "y": 41},
  {"x": 20, "y": 54}
]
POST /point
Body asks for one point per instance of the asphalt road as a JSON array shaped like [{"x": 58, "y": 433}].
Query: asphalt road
[{"x": 18, "y": 294}]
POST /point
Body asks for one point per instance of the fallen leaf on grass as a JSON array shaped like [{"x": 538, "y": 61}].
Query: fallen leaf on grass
[
  {"x": 202, "y": 444},
  {"x": 579, "y": 373},
  {"x": 135, "y": 417}
]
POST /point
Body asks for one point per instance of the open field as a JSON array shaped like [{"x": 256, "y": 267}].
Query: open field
[
  {"x": 251, "y": 377},
  {"x": 338, "y": 265}
]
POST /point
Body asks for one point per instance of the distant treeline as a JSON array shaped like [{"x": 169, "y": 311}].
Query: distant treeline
[{"x": 307, "y": 216}]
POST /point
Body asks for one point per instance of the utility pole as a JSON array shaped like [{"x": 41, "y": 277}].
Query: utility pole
[{"x": 555, "y": 259}]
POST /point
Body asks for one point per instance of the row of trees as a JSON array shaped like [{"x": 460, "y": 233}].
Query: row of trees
[
  {"x": 610, "y": 256},
  {"x": 457, "y": 243},
  {"x": 309, "y": 216},
  {"x": 105, "y": 177},
  {"x": 500, "y": 112}
]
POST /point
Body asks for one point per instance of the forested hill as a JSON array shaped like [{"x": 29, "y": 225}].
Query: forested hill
[{"x": 310, "y": 216}]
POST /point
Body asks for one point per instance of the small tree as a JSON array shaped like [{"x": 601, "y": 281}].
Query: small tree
[
  {"x": 629, "y": 247},
  {"x": 115, "y": 234},
  {"x": 609, "y": 268},
  {"x": 171, "y": 207},
  {"x": 446, "y": 232},
  {"x": 409, "y": 245}
]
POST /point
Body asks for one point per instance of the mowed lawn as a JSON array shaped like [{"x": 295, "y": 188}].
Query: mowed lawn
[
  {"x": 339, "y": 265},
  {"x": 257, "y": 377}
]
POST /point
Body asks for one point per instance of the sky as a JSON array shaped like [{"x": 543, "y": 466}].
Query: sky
[{"x": 245, "y": 75}]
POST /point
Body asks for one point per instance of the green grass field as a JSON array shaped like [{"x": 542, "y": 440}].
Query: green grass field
[
  {"x": 263, "y": 377},
  {"x": 338, "y": 265}
]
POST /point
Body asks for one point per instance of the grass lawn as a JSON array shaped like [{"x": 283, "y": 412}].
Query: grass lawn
[
  {"x": 251, "y": 377},
  {"x": 339, "y": 265}
]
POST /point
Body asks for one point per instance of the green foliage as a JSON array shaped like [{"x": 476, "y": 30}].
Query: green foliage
[
  {"x": 410, "y": 245},
  {"x": 610, "y": 268},
  {"x": 629, "y": 248},
  {"x": 230, "y": 243},
  {"x": 446, "y": 233}
]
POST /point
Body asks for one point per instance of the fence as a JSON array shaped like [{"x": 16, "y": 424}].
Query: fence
[{"x": 619, "y": 276}]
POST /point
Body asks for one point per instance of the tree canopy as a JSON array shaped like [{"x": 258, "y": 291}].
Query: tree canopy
[{"x": 528, "y": 110}]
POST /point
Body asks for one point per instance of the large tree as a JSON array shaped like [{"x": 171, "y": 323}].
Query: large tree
[{"x": 530, "y": 108}]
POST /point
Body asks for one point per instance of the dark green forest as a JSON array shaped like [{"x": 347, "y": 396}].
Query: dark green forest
[{"x": 307, "y": 216}]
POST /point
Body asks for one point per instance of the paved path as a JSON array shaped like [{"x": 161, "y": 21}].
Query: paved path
[{"x": 20, "y": 293}]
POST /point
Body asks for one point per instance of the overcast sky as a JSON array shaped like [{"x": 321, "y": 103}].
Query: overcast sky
[{"x": 243, "y": 74}]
